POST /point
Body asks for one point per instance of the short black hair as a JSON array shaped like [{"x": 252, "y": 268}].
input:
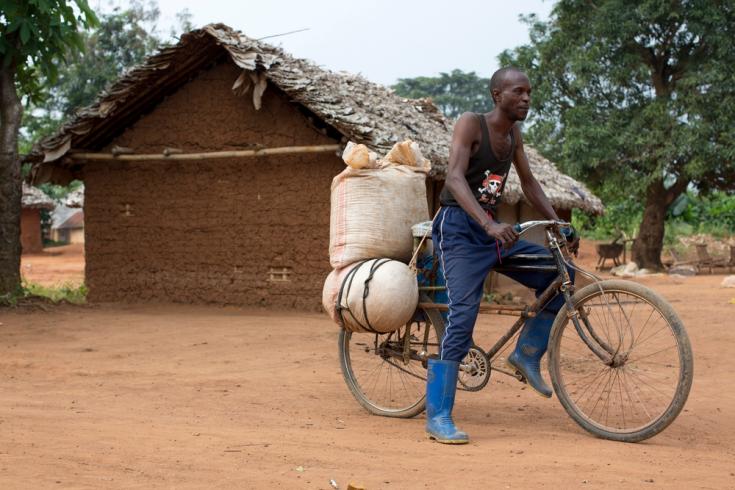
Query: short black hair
[{"x": 496, "y": 81}]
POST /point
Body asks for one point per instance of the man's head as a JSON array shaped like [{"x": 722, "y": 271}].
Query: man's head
[{"x": 511, "y": 92}]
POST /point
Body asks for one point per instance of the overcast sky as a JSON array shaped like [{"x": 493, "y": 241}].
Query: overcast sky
[{"x": 383, "y": 40}]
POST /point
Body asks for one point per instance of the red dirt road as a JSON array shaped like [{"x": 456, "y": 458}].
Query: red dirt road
[
  {"x": 55, "y": 266},
  {"x": 159, "y": 396}
]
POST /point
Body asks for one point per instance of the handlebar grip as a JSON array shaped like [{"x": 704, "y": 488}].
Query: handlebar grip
[{"x": 517, "y": 227}]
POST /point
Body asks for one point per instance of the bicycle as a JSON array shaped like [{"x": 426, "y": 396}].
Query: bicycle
[{"x": 619, "y": 358}]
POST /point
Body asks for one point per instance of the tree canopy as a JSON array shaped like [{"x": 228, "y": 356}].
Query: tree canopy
[
  {"x": 454, "y": 93},
  {"x": 123, "y": 39},
  {"x": 635, "y": 98},
  {"x": 36, "y": 36}
]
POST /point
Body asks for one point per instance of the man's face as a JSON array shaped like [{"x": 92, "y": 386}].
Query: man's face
[{"x": 514, "y": 96}]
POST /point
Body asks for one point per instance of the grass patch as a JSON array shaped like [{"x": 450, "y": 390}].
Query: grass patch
[
  {"x": 68, "y": 292},
  {"x": 64, "y": 293}
]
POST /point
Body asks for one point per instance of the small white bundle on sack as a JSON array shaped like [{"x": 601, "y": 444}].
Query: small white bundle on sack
[
  {"x": 358, "y": 156},
  {"x": 377, "y": 295},
  {"x": 406, "y": 153}
]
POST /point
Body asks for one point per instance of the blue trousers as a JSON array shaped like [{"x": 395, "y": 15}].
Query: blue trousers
[{"x": 467, "y": 254}]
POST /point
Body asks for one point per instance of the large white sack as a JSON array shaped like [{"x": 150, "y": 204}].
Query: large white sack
[
  {"x": 372, "y": 211},
  {"x": 379, "y": 295}
]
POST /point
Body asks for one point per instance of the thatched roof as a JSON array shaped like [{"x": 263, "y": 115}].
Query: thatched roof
[
  {"x": 75, "y": 199},
  {"x": 563, "y": 191},
  {"x": 359, "y": 110},
  {"x": 35, "y": 198},
  {"x": 349, "y": 105}
]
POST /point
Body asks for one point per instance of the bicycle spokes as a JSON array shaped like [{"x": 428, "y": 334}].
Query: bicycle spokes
[
  {"x": 636, "y": 385},
  {"x": 387, "y": 372}
]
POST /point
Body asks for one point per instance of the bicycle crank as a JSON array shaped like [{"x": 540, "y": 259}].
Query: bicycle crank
[{"x": 474, "y": 370}]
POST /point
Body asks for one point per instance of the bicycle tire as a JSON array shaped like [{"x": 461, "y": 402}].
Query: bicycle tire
[
  {"x": 417, "y": 399},
  {"x": 563, "y": 359}
]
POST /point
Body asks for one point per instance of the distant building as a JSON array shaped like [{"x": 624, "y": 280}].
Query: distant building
[
  {"x": 67, "y": 225},
  {"x": 32, "y": 202}
]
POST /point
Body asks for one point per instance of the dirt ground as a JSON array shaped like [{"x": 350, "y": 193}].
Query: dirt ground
[
  {"x": 55, "y": 266},
  {"x": 167, "y": 396}
]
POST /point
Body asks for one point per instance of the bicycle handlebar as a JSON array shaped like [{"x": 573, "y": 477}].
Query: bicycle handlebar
[{"x": 521, "y": 228}]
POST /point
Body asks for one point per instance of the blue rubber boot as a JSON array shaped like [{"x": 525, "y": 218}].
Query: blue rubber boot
[
  {"x": 531, "y": 346},
  {"x": 441, "y": 386}
]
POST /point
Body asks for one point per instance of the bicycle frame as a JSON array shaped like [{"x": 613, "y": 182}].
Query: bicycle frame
[
  {"x": 562, "y": 283},
  {"x": 598, "y": 378}
]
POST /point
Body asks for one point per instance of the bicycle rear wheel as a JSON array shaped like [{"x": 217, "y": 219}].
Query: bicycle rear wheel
[
  {"x": 645, "y": 383},
  {"x": 382, "y": 375}
]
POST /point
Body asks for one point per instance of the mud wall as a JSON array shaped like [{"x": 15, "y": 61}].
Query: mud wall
[
  {"x": 249, "y": 231},
  {"x": 30, "y": 231}
]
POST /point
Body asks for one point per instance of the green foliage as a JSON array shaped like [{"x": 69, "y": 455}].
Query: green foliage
[
  {"x": 454, "y": 93},
  {"x": 713, "y": 214},
  {"x": 621, "y": 218},
  {"x": 634, "y": 92},
  {"x": 37, "y": 124},
  {"x": 635, "y": 99},
  {"x": 694, "y": 213},
  {"x": 11, "y": 298},
  {"x": 69, "y": 293},
  {"x": 123, "y": 38},
  {"x": 59, "y": 192},
  {"x": 36, "y": 34}
]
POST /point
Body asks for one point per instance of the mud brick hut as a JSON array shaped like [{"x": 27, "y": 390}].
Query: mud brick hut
[
  {"x": 32, "y": 202},
  {"x": 67, "y": 220},
  {"x": 207, "y": 170},
  {"x": 67, "y": 225}
]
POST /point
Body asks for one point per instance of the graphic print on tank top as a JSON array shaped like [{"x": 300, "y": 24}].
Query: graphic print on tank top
[
  {"x": 492, "y": 187},
  {"x": 486, "y": 174}
]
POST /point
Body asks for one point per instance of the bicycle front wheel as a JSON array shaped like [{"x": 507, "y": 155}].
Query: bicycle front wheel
[
  {"x": 387, "y": 374},
  {"x": 643, "y": 384}
]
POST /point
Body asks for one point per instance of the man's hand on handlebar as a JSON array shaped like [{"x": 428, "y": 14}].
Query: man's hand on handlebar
[{"x": 502, "y": 232}]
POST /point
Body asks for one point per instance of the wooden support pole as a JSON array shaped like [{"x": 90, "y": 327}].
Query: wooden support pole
[{"x": 168, "y": 155}]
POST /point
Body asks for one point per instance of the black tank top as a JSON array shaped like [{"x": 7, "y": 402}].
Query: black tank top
[{"x": 486, "y": 174}]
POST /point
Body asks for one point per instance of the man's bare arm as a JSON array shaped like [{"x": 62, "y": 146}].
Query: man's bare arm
[{"x": 459, "y": 157}]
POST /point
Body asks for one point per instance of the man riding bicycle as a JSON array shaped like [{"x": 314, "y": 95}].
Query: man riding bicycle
[{"x": 470, "y": 241}]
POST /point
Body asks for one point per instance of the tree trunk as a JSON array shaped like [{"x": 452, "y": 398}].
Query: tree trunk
[
  {"x": 649, "y": 243},
  {"x": 11, "y": 191}
]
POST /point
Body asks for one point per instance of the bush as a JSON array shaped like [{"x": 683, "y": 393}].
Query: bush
[
  {"x": 713, "y": 214},
  {"x": 620, "y": 217},
  {"x": 690, "y": 214}
]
